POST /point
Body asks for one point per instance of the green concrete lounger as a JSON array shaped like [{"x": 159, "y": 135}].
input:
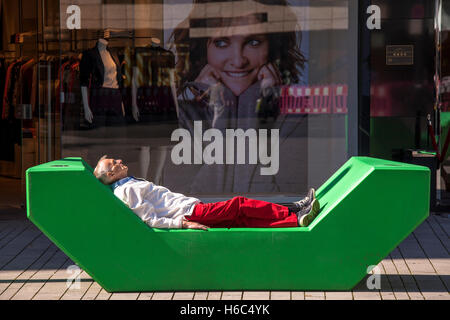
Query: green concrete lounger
[{"x": 368, "y": 207}]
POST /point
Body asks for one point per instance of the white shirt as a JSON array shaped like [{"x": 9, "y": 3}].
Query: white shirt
[
  {"x": 110, "y": 76},
  {"x": 157, "y": 206}
]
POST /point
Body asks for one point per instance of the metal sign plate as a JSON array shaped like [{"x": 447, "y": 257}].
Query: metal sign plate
[{"x": 400, "y": 55}]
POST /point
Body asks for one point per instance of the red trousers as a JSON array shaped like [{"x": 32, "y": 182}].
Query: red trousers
[{"x": 240, "y": 212}]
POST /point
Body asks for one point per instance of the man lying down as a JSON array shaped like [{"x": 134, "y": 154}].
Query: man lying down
[{"x": 158, "y": 207}]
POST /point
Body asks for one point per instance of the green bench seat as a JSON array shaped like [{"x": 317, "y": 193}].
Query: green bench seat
[{"x": 367, "y": 208}]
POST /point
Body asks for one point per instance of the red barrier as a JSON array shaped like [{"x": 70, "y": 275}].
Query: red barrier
[
  {"x": 340, "y": 94},
  {"x": 314, "y": 99}
]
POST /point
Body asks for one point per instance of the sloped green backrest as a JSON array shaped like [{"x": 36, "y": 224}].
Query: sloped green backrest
[{"x": 368, "y": 207}]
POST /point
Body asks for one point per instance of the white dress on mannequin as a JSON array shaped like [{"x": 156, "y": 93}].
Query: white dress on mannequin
[{"x": 110, "y": 77}]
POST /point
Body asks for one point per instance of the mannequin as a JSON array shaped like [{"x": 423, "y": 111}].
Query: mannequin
[
  {"x": 109, "y": 79},
  {"x": 154, "y": 42},
  {"x": 101, "y": 82},
  {"x": 153, "y": 77}
]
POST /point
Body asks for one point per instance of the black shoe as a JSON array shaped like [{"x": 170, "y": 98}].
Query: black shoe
[
  {"x": 308, "y": 214},
  {"x": 306, "y": 201}
]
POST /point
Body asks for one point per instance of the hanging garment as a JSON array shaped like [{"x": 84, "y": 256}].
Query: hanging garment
[
  {"x": 154, "y": 65},
  {"x": 152, "y": 72},
  {"x": 6, "y": 98},
  {"x": 11, "y": 96},
  {"x": 73, "y": 105},
  {"x": 3, "y": 69},
  {"x": 70, "y": 100},
  {"x": 10, "y": 127}
]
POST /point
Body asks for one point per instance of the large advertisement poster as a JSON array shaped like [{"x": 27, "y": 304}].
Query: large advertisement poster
[
  {"x": 244, "y": 90},
  {"x": 227, "y": 97},
  {"x": 238, "y": 55}
]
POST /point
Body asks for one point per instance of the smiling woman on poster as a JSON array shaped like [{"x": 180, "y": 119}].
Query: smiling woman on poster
[{"x": 238, "y": 54}]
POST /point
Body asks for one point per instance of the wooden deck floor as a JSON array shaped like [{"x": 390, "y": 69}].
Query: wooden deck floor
[{"x": 32, "y": 267}]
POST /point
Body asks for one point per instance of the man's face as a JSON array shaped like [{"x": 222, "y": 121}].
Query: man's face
[
  {"x": 117, "y": 170},
  {"x": 238, "y": 59}
]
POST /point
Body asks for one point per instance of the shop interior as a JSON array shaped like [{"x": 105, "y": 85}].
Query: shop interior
[{"x": 41, "y": 97}]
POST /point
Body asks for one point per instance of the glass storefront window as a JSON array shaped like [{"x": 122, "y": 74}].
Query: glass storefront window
[
  {"x": 402, "y": 93},
  {"x": 211, "y": 98}
]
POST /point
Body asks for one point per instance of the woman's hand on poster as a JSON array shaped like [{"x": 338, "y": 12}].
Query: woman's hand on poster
[
  {"x": 209, "y": 76},
  {"x": 135, "y": 111},
  {"x": 270, "y": 76}
]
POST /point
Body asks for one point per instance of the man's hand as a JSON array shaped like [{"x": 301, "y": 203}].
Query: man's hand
[{"x": 193, "y": 225}]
